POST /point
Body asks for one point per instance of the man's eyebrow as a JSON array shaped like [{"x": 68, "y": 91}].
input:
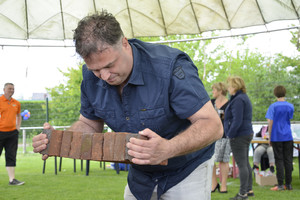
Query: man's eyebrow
[{"x": 106, "y": 66}]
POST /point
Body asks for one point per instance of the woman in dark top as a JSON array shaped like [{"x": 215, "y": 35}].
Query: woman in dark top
[
  {"x": 238, "y": 127},
  {"x": 222, "y": 147}
]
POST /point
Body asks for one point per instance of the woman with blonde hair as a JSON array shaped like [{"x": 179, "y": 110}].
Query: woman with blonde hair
[
  {"x": 238, "y": 127},
  {"x": 222, "y": 147}
]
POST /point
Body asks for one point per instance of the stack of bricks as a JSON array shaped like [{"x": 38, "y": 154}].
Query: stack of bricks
[{"x": 109, "y": 147}]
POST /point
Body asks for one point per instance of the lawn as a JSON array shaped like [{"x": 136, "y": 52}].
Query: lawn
[{"x": 100, "y": 184}]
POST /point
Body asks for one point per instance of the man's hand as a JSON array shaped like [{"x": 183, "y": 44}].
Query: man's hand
[
  {"x": 153, "y": 151},
  {"x": 39, "y": 142}
]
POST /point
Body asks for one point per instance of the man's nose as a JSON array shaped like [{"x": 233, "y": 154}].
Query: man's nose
[{"x": 104, "y": 73}]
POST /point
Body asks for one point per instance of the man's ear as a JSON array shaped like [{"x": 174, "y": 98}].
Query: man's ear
[{"x": 125, "y": 42}]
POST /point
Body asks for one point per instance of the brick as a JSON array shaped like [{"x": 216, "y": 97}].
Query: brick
[
  {"x": 76, "y": 146},
  {"x": 97, "y": 146},
  {"x": 48, "y": 132},
  {"x": 55, "y": 143},
  {"x": 66, "y": 144},
  {"x": 128, "y": 136},
  {"x": 108, "y": 146},
  {"x": 86, "y": 146},
  {"x": 120, "y": 147}
]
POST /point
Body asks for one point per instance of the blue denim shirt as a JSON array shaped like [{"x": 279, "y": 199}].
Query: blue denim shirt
[{"x": 163, "y": 90}]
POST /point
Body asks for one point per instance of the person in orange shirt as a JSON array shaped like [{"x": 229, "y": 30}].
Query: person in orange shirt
[{"x": 10, "y": 123}]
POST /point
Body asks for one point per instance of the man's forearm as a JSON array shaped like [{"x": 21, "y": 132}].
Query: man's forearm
[
  {"x": 18, "y": 122},
  {"x": 81, "y": 126},
  {"x": 199, "y": 135},
  {"x": 88, "y": 126}
]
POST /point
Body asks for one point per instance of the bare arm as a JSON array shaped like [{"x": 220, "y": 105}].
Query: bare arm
[
  {"x": 206, "y": 128},
  {"x": 86, "y": 125},
  {"x": 270, "y": 124},
  {"x": 18, "y": 121}
]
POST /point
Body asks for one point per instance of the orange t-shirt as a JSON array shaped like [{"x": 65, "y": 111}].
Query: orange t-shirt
[{"x": 8, "y": 113}]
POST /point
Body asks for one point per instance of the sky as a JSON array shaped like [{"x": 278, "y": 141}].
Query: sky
[{"x": 35, "y": 68}]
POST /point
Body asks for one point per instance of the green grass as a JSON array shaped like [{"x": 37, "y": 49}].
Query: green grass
[{"x": 100, "y": 184}]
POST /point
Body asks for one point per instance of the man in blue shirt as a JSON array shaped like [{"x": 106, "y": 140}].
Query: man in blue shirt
[
  {"x": 279, "y": 115},
  {"x": 153, "y": 90}
]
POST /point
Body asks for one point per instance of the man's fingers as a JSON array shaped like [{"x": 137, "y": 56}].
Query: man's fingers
[
  {"x": 39, "y": 148},
  {"x": 47, "y": 126},
  {"x": 39, "y": 137},
  {"x": 38, "y": 143},
  {"x": 44, "y": 157},
  {"x": 139, "y": 155}
]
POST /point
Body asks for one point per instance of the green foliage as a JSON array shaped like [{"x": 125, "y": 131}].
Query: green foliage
[
  {"x": 37, "y": 118},
  {"x": 37, "y": 111},
  {"x": 65, "y": 104},
  {"x": 261, "y": 74},
  {"x": 215, "y": 62}
]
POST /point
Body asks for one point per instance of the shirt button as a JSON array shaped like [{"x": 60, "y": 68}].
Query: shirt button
[{"x": 127, "y": 118}]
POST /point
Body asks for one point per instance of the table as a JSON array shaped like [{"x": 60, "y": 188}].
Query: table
[{"x": 259, "y": 140}]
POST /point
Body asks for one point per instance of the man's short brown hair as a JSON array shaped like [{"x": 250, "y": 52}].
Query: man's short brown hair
[{"x": 6, "y": 84}]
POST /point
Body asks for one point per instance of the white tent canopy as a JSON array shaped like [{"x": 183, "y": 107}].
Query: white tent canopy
[{"x": 56, "y": 19}]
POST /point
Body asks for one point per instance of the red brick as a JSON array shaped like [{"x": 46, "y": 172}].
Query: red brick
[
  {"x": 97, "y": 146},
  {"x": 76, "y": 145},
  {"x": 66, "y": 144},
  {"x": 55, "y": 143},
  {"x": 86, "y": 146},
  {"x": 108, "y": 146}
]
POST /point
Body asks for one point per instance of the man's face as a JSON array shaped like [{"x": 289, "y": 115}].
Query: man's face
[
  {"x": 113, "y": 64},
  {"x": 9, "y": 90}
]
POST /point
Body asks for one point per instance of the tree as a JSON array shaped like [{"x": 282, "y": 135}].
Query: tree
[
  {"x": 65, "y": 104},
  {"x": 215, "y": 62}
]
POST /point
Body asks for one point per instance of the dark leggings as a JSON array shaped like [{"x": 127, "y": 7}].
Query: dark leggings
[
  {"x": 283, "y": 152},
  {"x": 9, "y": 141},
  {"x": 240, "y": 149}
]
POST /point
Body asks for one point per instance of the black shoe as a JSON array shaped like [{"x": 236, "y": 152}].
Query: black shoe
[
  {"x": 289, "y": 187},
  {"x": 240, "y": 197},
  {"x": 217, "y": 187},
  {"x": 272, "y": 169},
  {"x": 16, "y": 182}
]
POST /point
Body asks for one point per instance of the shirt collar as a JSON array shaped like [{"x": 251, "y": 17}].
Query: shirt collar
[
  {"x": 5, "y": 99},
  {"x": 136, "y": 77}
]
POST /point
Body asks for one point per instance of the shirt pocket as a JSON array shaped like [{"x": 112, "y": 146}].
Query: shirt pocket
[{"x": 154, "y": 119}]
